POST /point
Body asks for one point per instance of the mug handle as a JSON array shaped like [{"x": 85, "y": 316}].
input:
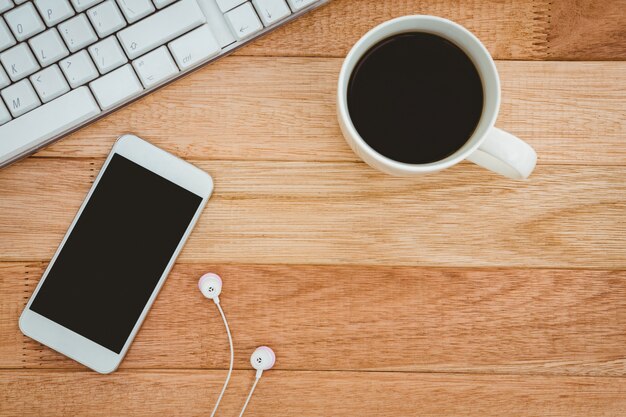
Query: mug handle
[{"x": 505, "y": 154}]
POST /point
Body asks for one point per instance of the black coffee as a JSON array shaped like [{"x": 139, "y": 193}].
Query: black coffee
[{"x": 415, "y": 98}]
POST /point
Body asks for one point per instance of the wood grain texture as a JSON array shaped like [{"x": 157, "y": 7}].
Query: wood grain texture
[
  {"x": 575, "y": 31},
  {"x": 305, "y": 394},
  {"x": 572, "y": 113},
  {"x": 521, "y": 321},
  {"x": 455, "y": 294},
  {"x": 348, "y": 213}
]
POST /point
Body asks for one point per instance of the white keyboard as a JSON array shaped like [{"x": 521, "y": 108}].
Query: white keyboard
[{"x": 66, "y": 63}]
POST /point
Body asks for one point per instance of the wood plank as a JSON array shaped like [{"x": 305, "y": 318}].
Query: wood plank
[
  {"x": 510, "y": 29},
  {"x": 587, "y": 30},
  {"x": 572, "y": 113},
  {"x": 333, "y": 318},
  {"x": 305, "y": 394},
  {"x": 524, "y": 29},
  {"x": 347, "y": 213}
]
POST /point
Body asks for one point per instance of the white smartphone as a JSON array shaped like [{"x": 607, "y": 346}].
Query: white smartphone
[{"x": 116, "y": 254}]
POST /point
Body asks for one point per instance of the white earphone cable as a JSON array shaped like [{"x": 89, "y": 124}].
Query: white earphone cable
[
  {"x": 232, "y": 359},
  {"x": 256, "y": 381}
]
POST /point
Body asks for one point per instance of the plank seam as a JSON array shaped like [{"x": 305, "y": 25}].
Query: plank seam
[
  {"x": 542, "y": 18},
  {"x": 327, "y": 371},
  {"x": 25, "y": 296},
  {"x": 44, "y": 262},
  {"x": 310, "y": 161}
]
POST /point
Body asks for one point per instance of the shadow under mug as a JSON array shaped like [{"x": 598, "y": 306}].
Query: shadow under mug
[{"x": 489, "y": 147}]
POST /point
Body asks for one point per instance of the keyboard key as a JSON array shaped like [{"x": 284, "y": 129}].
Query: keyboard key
[
  {"x": 45, "y": 122},
  {"x": 6, "y": 37},
  {"x": 135, "y": 9},
  {"x": 78, "y": 68},
  {"x": 19, "y": 61},
  {"x": 217, "y": 23},
  {"x": 4, "y": 78},
  {"x": 271, "y": 11},
  {"x": 5, "y": 116},
  {"x": 300, "y": 4},
  {"x": 49, "y": 83},
  {"x": 155, "y": 66},
  {"x": 81, "y": 5},
  {"x": 54, "y": 11},
  {"x": 244, "y": 21},
  {"x": 226, "y": 5},
  {"x": 77, "y": 33},
  {"x": 20, "y": 98},
  {"x": 48, "y": 47},
  {"x": 107, "y": 54},
  {"x": 106, "y": 18},
  {"x": 116, "y": 87},
  {"x": 5, "y": 5},
  {"x": 195, "y": 46},
  {"x": 160, "y": 28},
  {"x": 24, "y": 21},
  {"x": 162, "y": 3}
]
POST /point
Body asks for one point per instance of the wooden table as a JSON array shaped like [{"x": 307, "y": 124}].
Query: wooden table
[{"x": 459, "y": 293}]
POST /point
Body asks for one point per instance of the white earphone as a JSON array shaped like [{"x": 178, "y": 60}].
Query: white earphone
[
  {"x": 211, "y": 286},
  {"x": 262, "y": 359}
]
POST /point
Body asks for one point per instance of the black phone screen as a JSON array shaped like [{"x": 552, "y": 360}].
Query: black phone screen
[{"x": 116, "y": 253}]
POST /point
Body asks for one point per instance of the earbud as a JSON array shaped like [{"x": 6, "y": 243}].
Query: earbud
[
  {"x": 262, "y": 359},
  {"x": 211, "y": 286}
]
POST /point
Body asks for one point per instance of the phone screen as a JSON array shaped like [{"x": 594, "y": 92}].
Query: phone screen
[{"x": 117, "y": 251}]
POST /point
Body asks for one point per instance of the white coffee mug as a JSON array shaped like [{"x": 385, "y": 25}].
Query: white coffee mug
[{"x": 488, "y": 146}]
